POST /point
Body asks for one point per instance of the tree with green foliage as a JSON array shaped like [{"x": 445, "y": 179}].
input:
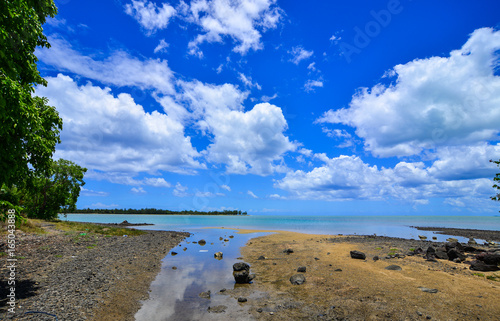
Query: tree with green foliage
[
  {"x": 9, "y": 200},
  {"x": 29, "y": 128},
  {"x": 47, "y": 195},
  {"x": 496, "y": 180}
]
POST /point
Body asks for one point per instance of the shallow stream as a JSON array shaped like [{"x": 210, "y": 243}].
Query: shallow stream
[{"x": 175, "y": 293}]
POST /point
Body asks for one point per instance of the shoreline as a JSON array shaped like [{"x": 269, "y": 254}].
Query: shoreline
[
  {"x": 84, "y": 276},
  {"x": 488, "y": 235},
  {"x": 105, "y": 278}
]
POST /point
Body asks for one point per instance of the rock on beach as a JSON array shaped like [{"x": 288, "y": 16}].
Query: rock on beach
[
  {"x": 297, "y": 279},
  {"x": 358, "y": 255}
]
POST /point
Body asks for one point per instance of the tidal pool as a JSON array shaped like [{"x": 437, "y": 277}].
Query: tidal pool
[{"x": 174, "y": 294}]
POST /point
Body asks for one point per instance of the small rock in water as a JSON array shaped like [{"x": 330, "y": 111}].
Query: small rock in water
[
  {"x": 218, "y": 255},
  {"x": 173, "y": 253},
  {"x": 452, "y": 239},
  {"x": 202, "y": 242},
  {"x": 297, "y": 279},
  {"x": 358, "y": 255},
  {"x": 422, "y": 237},
  {"x": 205, "y": 295},
  {"x": 217, "y": 309},
  {"x": 427, "y": 290}
]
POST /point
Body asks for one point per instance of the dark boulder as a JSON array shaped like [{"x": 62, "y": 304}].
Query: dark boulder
[
  {"x": 430, "y": 253},
  {"x": 241, "y": 273},
  {"x": 376, "y": 258},
  {"x": 262, "y": 257},
  {"x": 489, "y": 258},
  {"x": 358, "y": 255},
  {"x": 288, "y": 251},
  {"x": 455, "y": 255},
  {"x": 297, "y": 279},
  {"x": 483, "y": 267},
  {"x": 454, "y": 245},
  {"x": 240, "y": 266},
  {"x": 202, "y": 242},
  {"x": 471, "y": 249},
  {"x": 301, "y": 269},
  {"x": 441, "y": 253},
  {"x": 242, "y": 277}
]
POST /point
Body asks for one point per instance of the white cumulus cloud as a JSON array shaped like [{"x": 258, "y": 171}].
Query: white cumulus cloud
[
  {"x": 149, "y": 15},
  {"x": 432, "y": 102},
  {"x": 113, "y": 134},
  {"x": 241, "y": 20},
  {"x": 348, "y": 177},
  {"x": 249, "y": 142}
]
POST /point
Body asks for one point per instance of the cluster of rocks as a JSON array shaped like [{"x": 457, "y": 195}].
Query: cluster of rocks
[
  {"x": 478, "y": 259},
  {"x": 482, "y": 260}
]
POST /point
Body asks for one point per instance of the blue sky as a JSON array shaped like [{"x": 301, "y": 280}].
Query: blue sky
[{"x": 279, "y": 107}]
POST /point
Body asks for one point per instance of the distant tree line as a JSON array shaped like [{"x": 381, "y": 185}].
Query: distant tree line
[{"x": 150, "y": 211}]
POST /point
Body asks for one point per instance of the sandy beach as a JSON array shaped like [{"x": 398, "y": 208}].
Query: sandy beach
[{"x": 339, "y": 287}]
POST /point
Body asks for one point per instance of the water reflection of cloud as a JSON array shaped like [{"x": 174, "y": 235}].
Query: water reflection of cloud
[{"x": 175, "y": 293}]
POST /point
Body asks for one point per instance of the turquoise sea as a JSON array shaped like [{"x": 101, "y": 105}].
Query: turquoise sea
[
  {"x": 390, "y": 225},
  {"x": 174, "y": 294}
]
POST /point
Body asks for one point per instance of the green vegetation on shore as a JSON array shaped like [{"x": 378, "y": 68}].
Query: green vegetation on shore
[
  {"x": 89, "y": 228},
  {"x": 152, "y": 211}
]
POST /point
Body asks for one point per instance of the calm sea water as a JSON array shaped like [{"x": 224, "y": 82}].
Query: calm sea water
[{"x": 396, "y": 226}]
